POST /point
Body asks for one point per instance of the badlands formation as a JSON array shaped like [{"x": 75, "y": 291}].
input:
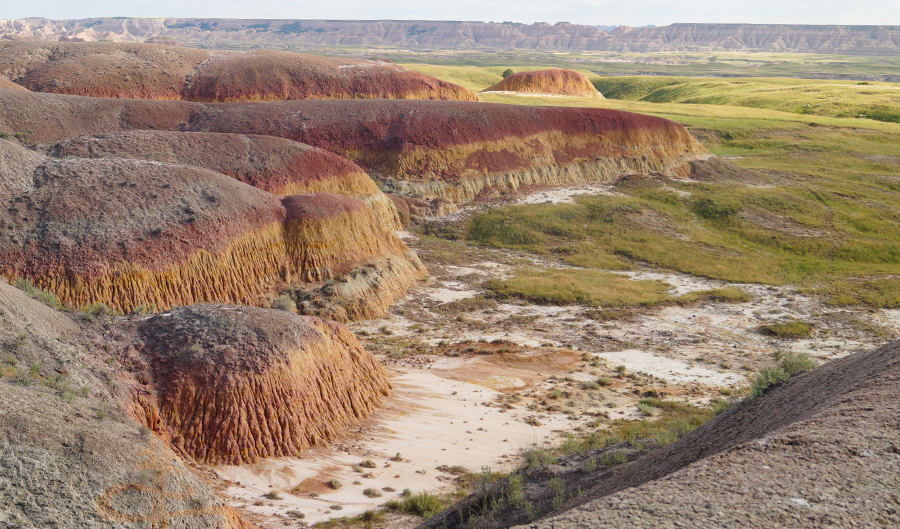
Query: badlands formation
[
  {"x": 194, "y": 225},
  {"x": 556, "y": 82}
]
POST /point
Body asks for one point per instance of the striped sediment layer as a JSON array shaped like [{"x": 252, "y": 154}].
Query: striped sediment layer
[
  {"x": 278, "y": 166},
  {"x": 236, "y": 384},
  {"x": 455, "y": 150},
  {"x": 132, "y": 234},
  {"x": 154, "y": 71},
  {"x": 556, "y": 81},
  {"x": 426, "y": 149}
]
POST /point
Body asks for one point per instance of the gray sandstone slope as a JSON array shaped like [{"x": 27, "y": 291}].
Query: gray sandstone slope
[
  {"x": 822, "y": 450},
  {"x": 66, "y": 447}
]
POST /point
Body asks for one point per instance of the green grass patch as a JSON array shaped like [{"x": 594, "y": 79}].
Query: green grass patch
[
  {"x": 577, "y": 286},
  {"x": 789, "y": 329}
]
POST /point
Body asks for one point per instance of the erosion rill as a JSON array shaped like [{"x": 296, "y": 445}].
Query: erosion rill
[
  {"x": 148, "y": 71},
  {"x": 135, "y": 234},
  {"x": 236, "y": 384},
  {"x": 281, "y": 167},
  {"x": 556, "y": 81}
]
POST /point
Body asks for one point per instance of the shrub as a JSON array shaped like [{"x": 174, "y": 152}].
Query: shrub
[
  {"x": 422, "y": 503},
  {"x": 367, "y": 463},
  {"x": 507, "y": 72},
  {"x": 273, "y": 495},
  {"x": 604, "y": 381},
  {"x": 372, "y": 493},
  {"x": 334, "y": 483},
  {"x": 285, "y": 303},
  {"x": 790, "y": 365}
]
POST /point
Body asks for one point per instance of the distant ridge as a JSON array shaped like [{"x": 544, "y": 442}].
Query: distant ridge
[{"x": 221, "y": 32}]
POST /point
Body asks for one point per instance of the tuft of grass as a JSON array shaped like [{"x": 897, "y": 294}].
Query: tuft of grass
[
  {"x": 367, "y": 463},
  {"x": 424, "y": 504},
  {"x": 788, "y": 330},
  {"x": 273, "y": 495},
  {"x": 790, "y": 364},
  {"x": 284, "y": 302},
  {"x": 372, "y": 493},
  {"x": 334, "y": 483},
  {"x": 589, "y": 287}
]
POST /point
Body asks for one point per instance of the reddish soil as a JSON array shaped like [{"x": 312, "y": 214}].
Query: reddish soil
[
  {"x": 236, "y": 384},
  {"x": 157, "y": 71},
  {"x": 556, "y": 81},
  {"x": 275, "y": 165},
  {"x": 268, "y": 75}
]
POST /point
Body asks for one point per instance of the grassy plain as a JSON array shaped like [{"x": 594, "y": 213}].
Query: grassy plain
[{"x": 823, "y": 212}]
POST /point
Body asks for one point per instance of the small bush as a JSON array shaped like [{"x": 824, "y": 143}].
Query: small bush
[
  {"x": 621, "y": 369},
  {"x": 334, "y": 483},
  {"x": 372, "y": 493},
  {"x": 367, "y": 463},
  {"x": 616, "y": 457},
  {"x": 422, "y": 503},
  {"x": 645, "y": 409},
  {"x": 790, "y": 365},
  {"x": 273, "y": 495},
  {"x": 605, "y": 381},
  {"x": 509, "y": 71},
  {"x": 590, "y": 385},
  {"x": 285, "y": 303},
  {"x": 555, "y": 393}
]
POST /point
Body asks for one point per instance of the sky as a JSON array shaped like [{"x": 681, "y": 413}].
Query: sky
[{"x": 590, "y": 12}]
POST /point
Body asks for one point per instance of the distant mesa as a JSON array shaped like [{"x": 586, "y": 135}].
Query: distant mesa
[
  {"x": 144, "y": 71},
  {"x": 556, "y": 81},
  {"x": 236, "y": 384},
  {"x": 132, "y": 233},
  {"x": 163, "y": 41},
  {"x": 279, "y": 166}
]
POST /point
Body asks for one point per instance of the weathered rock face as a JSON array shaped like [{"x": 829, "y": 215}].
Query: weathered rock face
[
  {"x": 152, "y": 71},
  {"x": 335, "y": 237},
  {"x": 556, "y": 81},
  {"x": 281, "y": 167},
  {"x": 133, "y": 233},
  {"x": 236, "y": 384},
  {"x": 455, "y": 150}
]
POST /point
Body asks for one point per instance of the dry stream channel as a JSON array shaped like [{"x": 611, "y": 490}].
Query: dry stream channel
[{"x": 477, "y": 381}]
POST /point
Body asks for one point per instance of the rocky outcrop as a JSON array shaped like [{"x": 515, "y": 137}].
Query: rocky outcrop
[
  {"x": 556, "y": 81},
  {"x": 236, "y": 384},
  {"x": 455, "y": 151},
  {"x": 135, "y": 234},
  {"x": 278, "y": 166},
  {"x": 151, "y": 71}
]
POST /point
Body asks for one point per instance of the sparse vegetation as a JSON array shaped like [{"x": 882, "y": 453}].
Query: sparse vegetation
[
  {"x": 789, "y": 330},
  {"x": 789, "y": 364},
  {"x": 334, "y": 483},
  {"x": 424, "y": 504}
]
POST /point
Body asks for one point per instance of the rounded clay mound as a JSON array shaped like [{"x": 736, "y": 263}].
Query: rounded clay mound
[
  {"x": 267, "y": 75},
  {"x": 155, "y": 71},
  {"x": 236, "y": 384},
  {"x": 99, "y": 69},
  {"x": 6, "y": 84},
  {"x": 281, "y": 167},
  {"x": 129, "y": 233},
  {"x": 17, "y": 165},
  {"x": 556, "y": 81}
]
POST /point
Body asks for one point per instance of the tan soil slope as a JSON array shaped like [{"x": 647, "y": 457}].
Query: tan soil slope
[
  {"x": 155, "y": 71},
  {"x": 62, "y": 445},
  {"x": 6, "y": 84},
  {"x": 278, "y": 166},
  {"x": 556, "y": 81},
  {"x": 821, "y": 450},
  {"x": 236, "y": 384}
]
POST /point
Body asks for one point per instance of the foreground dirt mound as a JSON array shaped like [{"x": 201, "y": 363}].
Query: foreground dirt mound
[
  {"x": 17, "y": 165},
  {"x": 430, "y": 149},
  {"x": 819, "y": 450},
  {"x": 236, "y": 384},
  {"x": 281, "y": 167},
  {"x": 156, "y": 71},
  {"x": 556, "y": 81},
  {"x": 268, "y": 75}
]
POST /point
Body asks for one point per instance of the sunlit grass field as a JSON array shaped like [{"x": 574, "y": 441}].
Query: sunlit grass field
[{"x": 823, "y": 212}]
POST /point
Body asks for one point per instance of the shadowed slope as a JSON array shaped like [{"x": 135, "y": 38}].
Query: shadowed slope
[
  {"x": 281, "y": 167},
  {"x": 556, "y": 81},
  {"x": 236, "y": 384},
  {"x": 820, "y": 449}
]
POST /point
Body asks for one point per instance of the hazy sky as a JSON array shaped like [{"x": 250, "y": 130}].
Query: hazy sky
[{"x": 593, "y": 12}]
